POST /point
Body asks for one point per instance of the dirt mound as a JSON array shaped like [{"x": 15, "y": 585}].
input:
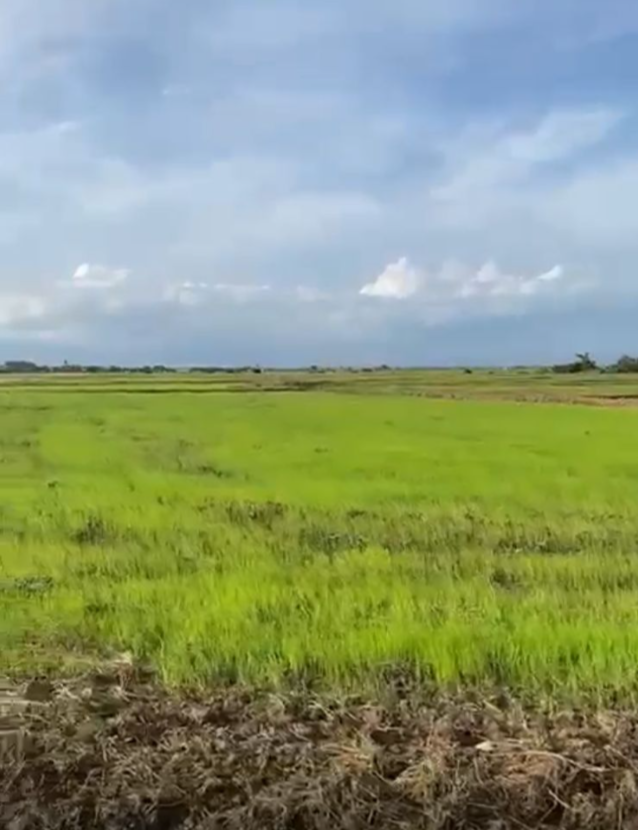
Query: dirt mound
[{"x": 109, "y": 752}]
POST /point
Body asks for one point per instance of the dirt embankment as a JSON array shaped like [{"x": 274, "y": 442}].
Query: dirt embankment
[{"x": 110, "y": 752}]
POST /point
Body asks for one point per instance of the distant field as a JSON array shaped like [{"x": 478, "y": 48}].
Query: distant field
[
  {"x": 483, "y": 384},
  {"x": 323, "y": 538}
]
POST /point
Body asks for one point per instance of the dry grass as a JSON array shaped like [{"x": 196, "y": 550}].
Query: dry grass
[{"x": 107, "y": 752}]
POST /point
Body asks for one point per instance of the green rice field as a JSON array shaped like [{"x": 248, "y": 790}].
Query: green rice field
[{"x": 326, "y": 530}]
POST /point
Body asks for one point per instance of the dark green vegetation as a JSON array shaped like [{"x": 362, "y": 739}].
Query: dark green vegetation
[
  {"x": 229, "y": 534},
  {"x": 522, "y": 384}
]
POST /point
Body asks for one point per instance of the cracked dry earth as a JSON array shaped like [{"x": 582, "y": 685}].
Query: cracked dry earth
[{"x": 114, "y": 751}]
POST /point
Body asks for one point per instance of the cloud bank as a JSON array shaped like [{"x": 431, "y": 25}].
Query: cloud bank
[
  {"x": 237, "y": 183},
  {"x": 457, "y": 284}
]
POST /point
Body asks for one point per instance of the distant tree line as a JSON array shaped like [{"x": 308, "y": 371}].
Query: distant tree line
[
  {"x": 23, "y": 367},
  {"x": 214, "y": 370},
  {"x": 29, "y": 367},
  {"x": 625, "y": 364},
  {"x": 585, "y": 363}
]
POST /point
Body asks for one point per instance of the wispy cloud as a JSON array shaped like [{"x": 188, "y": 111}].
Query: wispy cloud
[
  {"x": 465, "y": 290},
  {"x": 18, "y": 309},
  {"x": 239, "y": 292},
  {"x": 488, "y": 158},
  {"x": 186, "y": 293},
  {"x": 98, "y": 276}
]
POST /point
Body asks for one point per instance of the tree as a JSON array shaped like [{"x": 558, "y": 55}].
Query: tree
[
  {"x": 625, "y": 365},
  {"x": 21, "y": 366},
  {"x": 587, "y": 363},
  {"x": 583, "y": 363}
]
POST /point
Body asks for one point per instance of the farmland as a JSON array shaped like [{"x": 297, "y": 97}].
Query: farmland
[
  {"x": 316, "y": 600},
  {"x": 325, "y": 536}
]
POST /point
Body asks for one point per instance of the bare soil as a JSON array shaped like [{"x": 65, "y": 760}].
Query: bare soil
[{"x": 113, "y": 750}]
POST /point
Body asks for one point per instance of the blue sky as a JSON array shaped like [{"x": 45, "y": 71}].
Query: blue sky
[{"x": 335, "y": 182}]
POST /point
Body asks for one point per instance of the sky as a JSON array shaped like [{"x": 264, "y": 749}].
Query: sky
[{"x": 338, "y": 182}]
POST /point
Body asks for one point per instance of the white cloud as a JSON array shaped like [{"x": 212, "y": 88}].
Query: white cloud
[
  {"x": 555, "y": 273},
  {"x": 596, "y": 207},
  {"x": 186, "y": 293},
  {"x": 190, "y": 293},
  {"x": 398, "y": 281},
  {"x": 18, "y": 309},
  {"x": 306, "y": 217},
  {"x": 457, "y": 286},
  {"x": 310, "y": 294},
  {"x": 490, "y": 282},
  {"x": 245, "y": 314},
  {"x": 560, "y": 134},
  {"x": 98, "y": 276},
  {"x": 268, "y": 179},
  {"x": 30, "y": 24},
  {"x": 487, "y": 158},
  {"x": 518, "y": 191},
  {"x": 241, "y": 293}
]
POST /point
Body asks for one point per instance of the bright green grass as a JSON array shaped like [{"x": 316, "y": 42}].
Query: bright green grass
[{"x": 278, "y": 537}]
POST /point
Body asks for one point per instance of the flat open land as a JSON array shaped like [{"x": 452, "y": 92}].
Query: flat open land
[{"x": 392, "y": 535}]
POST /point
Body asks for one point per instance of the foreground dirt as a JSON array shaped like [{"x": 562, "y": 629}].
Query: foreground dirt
[{"x": 109, "y": 751}]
